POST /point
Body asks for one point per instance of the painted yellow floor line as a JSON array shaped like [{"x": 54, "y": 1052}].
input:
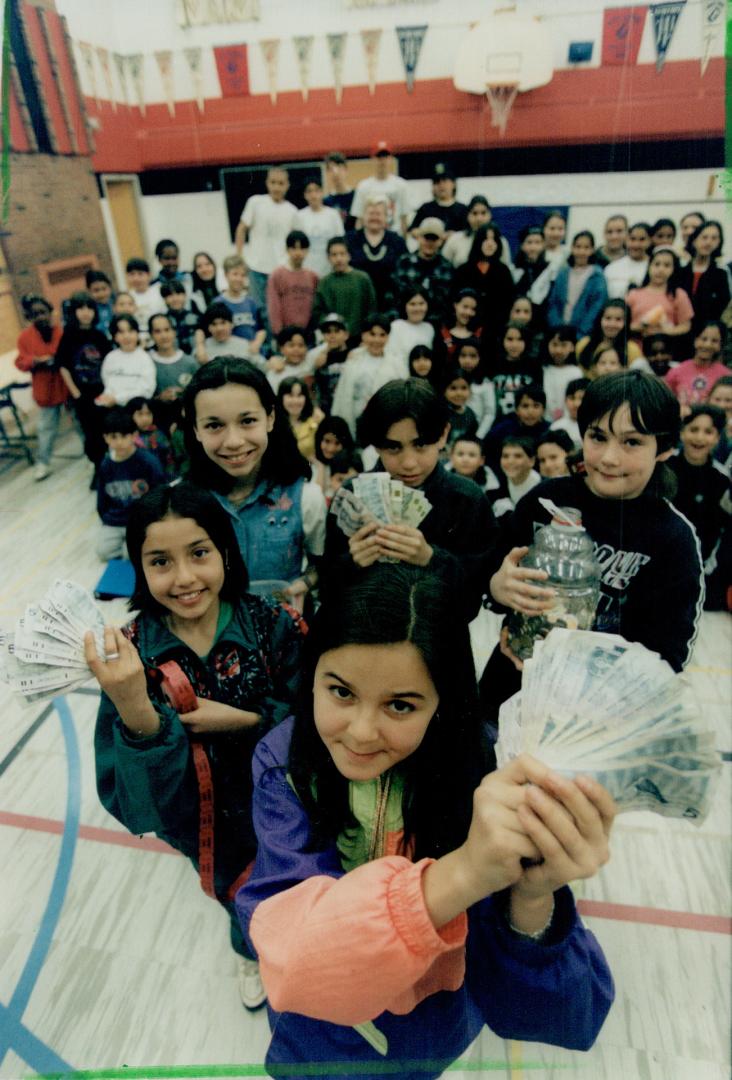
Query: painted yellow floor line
[
  {"x": 515, "y": 1059},
  {"x": 708, "y": 670}
]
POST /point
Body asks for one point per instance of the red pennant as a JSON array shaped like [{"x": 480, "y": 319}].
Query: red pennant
[
  {"x": 622, "y": 30},
  {"x": 233, "y": 69}
]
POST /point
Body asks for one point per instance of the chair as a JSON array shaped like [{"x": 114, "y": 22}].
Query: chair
[{"x": 17, "y": 445}]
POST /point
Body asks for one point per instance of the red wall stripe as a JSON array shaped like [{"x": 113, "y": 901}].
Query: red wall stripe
[
  {"x": 47, "y": 81},
  {"x": 18, "y": 137},
  {"x": 576, "y": 107},
  {"x": 74, "y": 102}
]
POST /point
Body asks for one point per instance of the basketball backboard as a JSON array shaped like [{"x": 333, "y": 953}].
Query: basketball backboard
[{"x": 504, "y": 50}]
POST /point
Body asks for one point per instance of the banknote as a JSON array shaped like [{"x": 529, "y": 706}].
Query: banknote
[{"x": 378, "y": 497}]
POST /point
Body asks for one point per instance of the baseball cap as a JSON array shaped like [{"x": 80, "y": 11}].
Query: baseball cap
[
  {"x": 381, "y": 147},
  {"x": 442, "y": 172},
  {"x": 333, "y": 319},
  {"x": 432, "y": 225}
]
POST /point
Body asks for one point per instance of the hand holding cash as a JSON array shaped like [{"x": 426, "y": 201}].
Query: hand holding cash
[
  {"x": 45, "y": 655},
  {"x": 381, "y": 517},
  {"x": 598, "y": 705}
]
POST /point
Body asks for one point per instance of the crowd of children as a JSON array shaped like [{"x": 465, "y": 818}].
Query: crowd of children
[{"x": 489, "y": 380}]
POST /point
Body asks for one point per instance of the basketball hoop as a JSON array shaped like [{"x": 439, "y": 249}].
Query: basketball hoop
[{"x": 501, "y": 97}]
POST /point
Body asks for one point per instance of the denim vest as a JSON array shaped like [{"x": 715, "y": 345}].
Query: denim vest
[{"x": 269, "y": 530}]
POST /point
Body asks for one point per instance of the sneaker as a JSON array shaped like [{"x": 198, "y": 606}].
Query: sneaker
[
  {"x": 41, "y": 471},
  {"x": 251, "y": 991}
]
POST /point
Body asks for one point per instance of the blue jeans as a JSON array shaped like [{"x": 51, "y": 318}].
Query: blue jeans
[{"x": 49, "y": 418}]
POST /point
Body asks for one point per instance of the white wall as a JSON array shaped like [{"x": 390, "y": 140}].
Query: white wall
[
  {"x": 131, "y": 26},
  {"x": 199, "y": 221}
]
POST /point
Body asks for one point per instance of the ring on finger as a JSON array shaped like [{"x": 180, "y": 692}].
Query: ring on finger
[{"x": 112, "y": 656}]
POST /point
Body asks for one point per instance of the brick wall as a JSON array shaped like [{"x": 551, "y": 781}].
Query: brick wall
[{"x": 54, "y": 214}]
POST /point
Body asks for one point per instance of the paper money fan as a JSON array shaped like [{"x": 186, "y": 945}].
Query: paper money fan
[
  {"x": 45, "y": 654},
  {"x": 594, "y": 703}
]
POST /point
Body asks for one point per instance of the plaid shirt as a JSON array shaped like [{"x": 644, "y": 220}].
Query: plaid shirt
[{"x": 433, "y": 278}]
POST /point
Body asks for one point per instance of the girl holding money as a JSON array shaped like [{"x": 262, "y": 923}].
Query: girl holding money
[
  {"x": 407, "y": 422},
  {"x": 189, "y": 686},
  {"x": 241, "y": 448},
  {"x": 397, "y": 903}
]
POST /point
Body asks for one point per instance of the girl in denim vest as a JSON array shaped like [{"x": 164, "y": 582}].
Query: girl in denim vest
[{"x": 242, "y": 449}]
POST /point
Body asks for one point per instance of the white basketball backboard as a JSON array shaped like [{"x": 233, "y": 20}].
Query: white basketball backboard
[{"x": 504, "y": 49}]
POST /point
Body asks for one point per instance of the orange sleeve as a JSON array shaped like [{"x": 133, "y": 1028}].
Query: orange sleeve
[{"x": 345, "y": 949}]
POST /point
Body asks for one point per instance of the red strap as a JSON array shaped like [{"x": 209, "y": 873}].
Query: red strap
[
  {"x": 296, "y": 617},
  {"x": 205, "y": 819},
  {"x": 243, "y": 878},
  {"x": 176, "y": 687}
]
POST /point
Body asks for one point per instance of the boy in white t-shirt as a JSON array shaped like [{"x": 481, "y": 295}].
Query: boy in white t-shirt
[
  {"x": 147, "y": 298},
  {"x": 386, "y": 183},
  {"x": 263, "y": 228},
  {"x": 319, "y": 223}
]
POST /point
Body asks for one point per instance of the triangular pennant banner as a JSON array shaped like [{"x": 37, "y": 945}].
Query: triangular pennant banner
[
  {"x": 103, "y": 57},
  {"x": 303, "y": 51},
  {"x": 712, "y": 24},
  {"x": 410, "y": 45},
  {"x": 120, "y": 63},
  {"x": 270, "y": 51},
  {"x": 193, "y": 56},
  {"x": 135, "y": 68},
  {"x": 370, "y": 39},
  {"x": 164, "y": 58},
  {"x": 665, "y": 17},
  {"x": 337, "y": 51}
]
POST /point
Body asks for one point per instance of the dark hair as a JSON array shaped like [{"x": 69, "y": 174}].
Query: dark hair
[
  {"x": 655, "y": 339},
  {"x": 465, "y": 294},
  {"x": 693, "y": 213},
  {"x": 336, "y": 157},
  {"x": 92, "y": 276},
  {"x": 450, "y": 372},
  {"x": 673, "y": 282},
  {"x": 375, "y": 318},
  {"x": 476, "y": 255},
  {"x": 529, "y": 230},
  {"x": 160, "y": 315},
  {"x": 511, "y": 325},
  {"x": 715, "y": 414},
  {"x": 417, "y": 353},
  {"x": 533, "y": 391},
  {"x": 641, "y": 225},
  {"x": 344, "y": 461},
  {"x": 169, "y": 288},
  {"x": 699, "y": 229},
  {"x": 723, "y": 380},
  {"x": 479, "y": 372},
  {"x": 575, "y": 385},
  {"x": 620, "y": 341},
  {"x": 477, "y": 200},
  {"x": 161, "y": 246},
  {"x": 297, "y": 236},
  {"x": 333, "y": 425},
  {"x": 524, "y": 442},
  {"x": 664, "y": 221},
  {"x": 117, "y": 320},
  {"x": 552, "y": 213},
  {"x": 30, "y": 300},
  {"x": 217, "y": 310},
  {"x": 282, "y": 461},
  {"x": 601, "y": 350},
  {"x": 183, "y": 500},
  {"x": 389, "y": 605},
  {"x": 287, "y": 333},
  {"x": 558, "y": 437},
  {"x": 136, "y": 403},
  {"x": 578, "y": 236},
  {"x": 78, "y": 300},
  {"x": 403, "y": 399},
  {"x": 334, "y": 242},
  {"x": 118, "y": 421},
  {"x": 137, "y": 264},
  {"x": 565, "y": 332},
  {"x": 719, "y": 325},
  {"x": 653, "y": 408},
  {"x": 208, "y": 289},
  {"x": 286, "y": 386},
  {"x": 409, "y": 294}
]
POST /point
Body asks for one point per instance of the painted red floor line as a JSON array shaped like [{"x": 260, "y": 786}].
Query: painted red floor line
[
  {"x": 87, "y": 832},
  {"x": 682, "y": 920},
  {"x": 600, "y": 909}
]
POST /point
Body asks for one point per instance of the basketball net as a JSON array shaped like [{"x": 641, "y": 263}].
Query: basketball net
[{"x": 501, "y": 97}]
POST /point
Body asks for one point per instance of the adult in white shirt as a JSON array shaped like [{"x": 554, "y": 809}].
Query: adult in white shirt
[
  {"x": 319, "y": 223},
  {"x": 383, "y": 182},
  {"x": 629, "y": 272},
  {"x": 262, "y": 230}
]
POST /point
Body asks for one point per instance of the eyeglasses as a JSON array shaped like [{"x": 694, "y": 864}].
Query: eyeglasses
[{"x": 430, "y": 236}]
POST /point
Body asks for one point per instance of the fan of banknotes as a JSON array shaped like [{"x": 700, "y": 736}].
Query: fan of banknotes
[
  {"x": 375, "y": 496},
  {"x": 45, "y": 654},
  {"x": 594, "y": 703}
]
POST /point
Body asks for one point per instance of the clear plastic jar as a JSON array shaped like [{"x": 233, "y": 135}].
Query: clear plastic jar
[{"x": 565, "y": 551}]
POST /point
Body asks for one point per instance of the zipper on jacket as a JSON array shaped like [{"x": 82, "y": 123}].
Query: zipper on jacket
[{"x": 376, "y": 844}]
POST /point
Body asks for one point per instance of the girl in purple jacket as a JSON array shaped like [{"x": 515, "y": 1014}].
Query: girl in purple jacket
[{"x": 405, "y": 892}]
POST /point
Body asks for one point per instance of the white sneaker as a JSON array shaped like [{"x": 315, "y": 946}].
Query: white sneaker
[
  {"x": 41, "y": 471},
  {"x": 251, "y": 991}
]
